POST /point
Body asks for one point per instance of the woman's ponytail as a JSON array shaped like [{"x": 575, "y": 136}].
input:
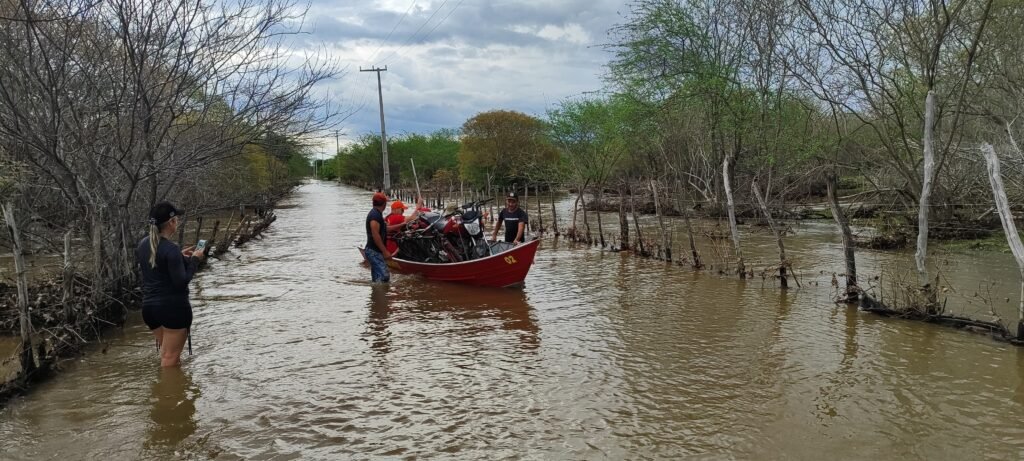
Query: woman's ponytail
[{"x": 154, "y": 240}]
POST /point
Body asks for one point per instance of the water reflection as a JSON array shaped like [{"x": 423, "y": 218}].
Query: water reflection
[
  {"x": 475, "y": 309},
  {"x": 641, "y": 360},
  {"x": 174, "y": 408},
  {"x": 478, "y": 306},
  {"x": 377, "y": 325}
]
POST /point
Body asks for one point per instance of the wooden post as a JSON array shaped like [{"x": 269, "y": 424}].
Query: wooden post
[
  {"x": 21, "y": 280},
  {"x": 229, "y": 235},
  {"x": 623, "y": 222},
  {"x": 666, "y": 235},
  {"x": 68, "y": 276},
  {"x": 1009, "y": 227},
  {"x": 554, "y": 214},
  {"x": 227, "y": 232},
  {"x": 199, "y": 229},
  {"x": 600, "y": 225},
  {"x": 213, "y": 237},
  {"x": 97, "y": 254},
  {"x": 849, "y": 249},
  {"x": 636, "y": 224},
  {"x": 925, "y": 201},
  {"x": 586, "y": 222},
  {"x": 540, "y": 218},
  {"x": 683, "y": 209},
  {"x": 181, "y": 231},
  {"x": 783, "y": 281},
  {"x": 576, "y": 211},
  {"x": 731, "y": 207},
  {"x": 525, "y": 205},
  {"x": 127, "y": 255}
]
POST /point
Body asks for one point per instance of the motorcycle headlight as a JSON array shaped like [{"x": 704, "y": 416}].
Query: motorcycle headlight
[{"x": 472, "y": 227}]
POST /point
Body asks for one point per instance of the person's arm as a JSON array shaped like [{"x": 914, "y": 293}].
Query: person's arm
[
  {"x": 519, "y": 234},
  {"x": 180, "y": 268},
  {"x": 497, "y": 225},
  {"x": 523, "y": 219},
  {"x": 375, "y": 231},
  {"x": 407, "y": 220}
]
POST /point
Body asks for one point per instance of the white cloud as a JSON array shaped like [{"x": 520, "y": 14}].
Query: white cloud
[
  {"x": 500, "y": 54},
  {"x": 573, "y": 33}
]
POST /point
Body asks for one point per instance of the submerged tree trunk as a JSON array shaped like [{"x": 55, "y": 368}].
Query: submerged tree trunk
[
  {"x": 586, "y": 222},
  {"x": 199, "y": 229},
  {"x": 623, "y": 222},
  {"x": 554, "y": 216},
  {"x": 68, "y": 276},
  {"x": 695, "y": 263},
  {"x": 783, "y": 263},
  {"x": 731, "y": 207},
  {"x": 540, "y": 218},
  {"x": 21, "y": 280},
  {"x": 925, "y": 203},
  {"x": 576, "y": 211},
  {"x": 526, "y": 205},
  {"x": 97, "y": 253},
  {"x": 1009, "y": 227},
  {"x": 849, "y": 249},
  {"x": 600, "y": 224},
  {"x": 666, "y": 235},
  {"x": 636, "y": 224}
]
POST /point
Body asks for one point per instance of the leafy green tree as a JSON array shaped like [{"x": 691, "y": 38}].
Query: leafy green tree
[
  {"x": 503, "y": 148},
  {"x": 596, "y": 136},
  {"x": 360, "y": 163}
]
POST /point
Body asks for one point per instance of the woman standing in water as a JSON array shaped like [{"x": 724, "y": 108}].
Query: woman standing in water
[{"x": 166, "y": 272}]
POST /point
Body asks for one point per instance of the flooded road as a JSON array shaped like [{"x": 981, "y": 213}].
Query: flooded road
[{"x": 600, "y": 356}]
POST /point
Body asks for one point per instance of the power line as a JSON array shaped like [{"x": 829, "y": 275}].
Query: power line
[
  {"x": 400, "y": 20},
  {"x": 408, "y": 40},
  {"x": 438, "y": 24},
  {"x": 442, "y": 20}
]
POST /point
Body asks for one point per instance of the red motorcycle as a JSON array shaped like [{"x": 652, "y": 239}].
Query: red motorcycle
[{"x": 453, "y": 237}]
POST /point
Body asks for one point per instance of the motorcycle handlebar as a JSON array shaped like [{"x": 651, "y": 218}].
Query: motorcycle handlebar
[{"x": 477, "y": 203}]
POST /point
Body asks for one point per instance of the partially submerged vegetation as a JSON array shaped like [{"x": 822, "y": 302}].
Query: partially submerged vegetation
[
  {"x": 783, "y": 109},
  {"x": 108, "y": 107}
]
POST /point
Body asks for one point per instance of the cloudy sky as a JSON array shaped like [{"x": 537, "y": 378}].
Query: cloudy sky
[{"x": 450, "y": 59}]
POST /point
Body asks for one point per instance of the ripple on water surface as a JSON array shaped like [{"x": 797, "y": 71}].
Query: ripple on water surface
[{"x": 600, "y": 356}]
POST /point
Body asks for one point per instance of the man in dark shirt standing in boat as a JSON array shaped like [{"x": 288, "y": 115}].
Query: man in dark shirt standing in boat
[
  {"x": 514, "y": 219},
  {"x": 376, "y": 249}
]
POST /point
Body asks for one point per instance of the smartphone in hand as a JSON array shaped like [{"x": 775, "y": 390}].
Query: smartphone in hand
[{"x": 201, "y": 245}]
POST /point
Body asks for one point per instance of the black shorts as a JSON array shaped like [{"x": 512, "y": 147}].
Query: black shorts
[{"x": 171, "y": 317}]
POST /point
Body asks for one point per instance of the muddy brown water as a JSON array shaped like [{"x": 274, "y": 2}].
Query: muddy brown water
[{"x": 600, "y": 356}]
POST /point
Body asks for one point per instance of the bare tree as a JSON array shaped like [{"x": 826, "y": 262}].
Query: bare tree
[
  {"x": 118, "y": 103},
  {"x": 1009, "y": 227}
]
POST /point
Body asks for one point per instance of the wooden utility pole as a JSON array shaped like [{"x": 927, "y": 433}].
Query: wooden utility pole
[{"x": 383, "y": 132}]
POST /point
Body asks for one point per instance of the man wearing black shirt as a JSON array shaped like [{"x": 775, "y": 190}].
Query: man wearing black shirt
[
  {"x": 514, "y": 219},
  {"x": 377, "y": 229}
]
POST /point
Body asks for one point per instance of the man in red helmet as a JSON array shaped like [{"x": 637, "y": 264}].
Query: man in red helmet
[{"x": 397, "y": 218}]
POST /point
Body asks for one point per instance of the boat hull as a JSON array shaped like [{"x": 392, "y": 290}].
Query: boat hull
[{"x": 505, "y": 269}]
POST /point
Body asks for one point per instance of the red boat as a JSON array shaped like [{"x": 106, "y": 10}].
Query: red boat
[{"x": 507, "y": 268}]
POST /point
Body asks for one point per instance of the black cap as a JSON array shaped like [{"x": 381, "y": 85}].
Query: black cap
[
  {"x": 512, "y": 196},
  {"x": 163, "y": 212}
]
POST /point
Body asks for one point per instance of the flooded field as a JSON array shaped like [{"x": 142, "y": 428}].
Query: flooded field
[{"x": 600, "y": 356}]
